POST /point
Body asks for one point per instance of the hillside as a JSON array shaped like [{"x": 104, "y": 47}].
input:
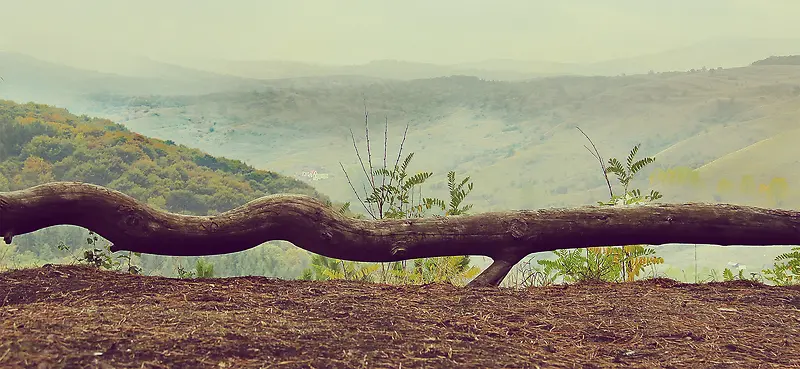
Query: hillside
[
  {"x": 516, "y": 139},
  {"x": 76, "y": 316},
  {"x": 40, "y": 143},
  {"x": 780, "y": 60}
]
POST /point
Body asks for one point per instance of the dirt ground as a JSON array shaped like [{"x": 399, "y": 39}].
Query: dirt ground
[{"x": 75, "y": 316}]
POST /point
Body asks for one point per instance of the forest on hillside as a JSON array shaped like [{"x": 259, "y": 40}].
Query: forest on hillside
[
  {"x": 40, "y": 143},
  {"x": 779, "y": 60}
]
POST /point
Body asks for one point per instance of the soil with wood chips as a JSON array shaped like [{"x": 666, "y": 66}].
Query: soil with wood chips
[{"x": 76, "y": 316}]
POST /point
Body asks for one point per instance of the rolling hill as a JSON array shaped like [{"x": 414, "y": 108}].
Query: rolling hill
[
  {"x": 40, "y": 143},
  {"x": 517, "y": 140}
]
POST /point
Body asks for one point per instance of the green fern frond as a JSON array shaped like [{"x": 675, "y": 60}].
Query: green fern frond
[
  {"x": 407, "y": 160},
  {"x": 632, "y": 154},
  {"x": 637, "y": 166},
  {"x": 615, "y": 166}
]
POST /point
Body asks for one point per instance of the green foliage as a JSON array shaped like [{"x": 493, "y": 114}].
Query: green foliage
[
  {"x": 625, "y": 175},
  {"x": 727, "y": 275},
  {"x": 577, "y": 265},
  {"x": 529, "y": 274},
  {"x": 394, "y": 200},
  {"x": 454, "y": 270},
  {"x": 324, "y": 268},
  {"x": 786, "y": 270},
  {"x": 183, "y": 273},
  {"x": 202, "y": 269},
  {"x": 611, "y": 264},
  {"x": 396, "y": 194},
  {"x": 458, "y": 194},
  {"x": 101, "y": 257},
  {"x": 40, "y": 143}
]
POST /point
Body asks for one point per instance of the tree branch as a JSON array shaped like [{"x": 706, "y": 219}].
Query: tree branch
[{"x": 306, "y": 222}]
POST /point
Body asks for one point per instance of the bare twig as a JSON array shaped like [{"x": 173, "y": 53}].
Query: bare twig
[
  {"x": 400, "y": 151},
  {"x": 599, "y": 158},
  {"x": 356, "y": 192},
  {"x": 385, "y": 147},
  {"x": 371, "y": 176}
]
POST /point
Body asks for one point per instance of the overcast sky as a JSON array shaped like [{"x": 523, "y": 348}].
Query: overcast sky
[{"x": 356, "y": 31}]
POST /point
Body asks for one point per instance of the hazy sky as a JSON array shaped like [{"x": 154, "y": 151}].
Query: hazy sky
[{"x": 355, "y": 31}]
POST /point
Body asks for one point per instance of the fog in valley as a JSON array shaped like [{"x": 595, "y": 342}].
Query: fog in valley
[{"x": 493, "y": 90}]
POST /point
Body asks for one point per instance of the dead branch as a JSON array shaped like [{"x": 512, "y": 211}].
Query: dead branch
[{"x": 506, "y": 237}]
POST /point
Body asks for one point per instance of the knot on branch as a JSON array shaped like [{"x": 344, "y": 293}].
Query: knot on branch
[
  {"x": 518, "y": 229},
  {"x": 210, "y": 226},
  {"x": 399, "y": 251}
]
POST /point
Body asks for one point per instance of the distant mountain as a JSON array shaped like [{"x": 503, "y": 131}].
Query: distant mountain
[
  {"x": 711, "y": 54},
  {"x": 534, "y": 67},
  {"x": 391, "y": 69},
  {"x": 142, "y": 67},
  {"x": 779, "y": 60},
  {"x": 724, "y": 53},
  {"x": 26, "y": 78}
]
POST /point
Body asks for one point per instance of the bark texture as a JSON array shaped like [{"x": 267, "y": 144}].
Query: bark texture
[{"x": 506, "y": 237}]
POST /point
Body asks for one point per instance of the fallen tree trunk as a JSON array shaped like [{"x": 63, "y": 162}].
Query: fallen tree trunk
[{"x": 506, "y": 237}]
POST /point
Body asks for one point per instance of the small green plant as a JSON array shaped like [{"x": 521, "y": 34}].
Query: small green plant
[
  {"x": 101, "y": 257},
  {"x": 727, "y": 275},
  {"x": 395, "y": 194},
  {"x": 183, "y": 273},
  {"x": 786, "y": 270},
  {"x": 325, "y": 268},
  {"x": 625, "y": 175},
  {"x": 202, "y": 269},
  {"x": 530, "y": 274},
  {"x": 713, "y": 276},
  {"x": 616, "y": 263},
  {"x": 581, "y": 265}
]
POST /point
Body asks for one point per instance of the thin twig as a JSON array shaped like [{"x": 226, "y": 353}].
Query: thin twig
[
  {"x": 355, "y": 192},
  {"x": 358, "y": 154},
  {"x": 400, "y": 152},
  {"x": 385, "y": 146},
  {"x": 599, "y": 158},
  {"x": 369, "y": 149}
]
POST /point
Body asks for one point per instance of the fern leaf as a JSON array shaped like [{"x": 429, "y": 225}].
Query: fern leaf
[
  {"x": 637, "y": 166},
  {"x": 632, "y": 154}
]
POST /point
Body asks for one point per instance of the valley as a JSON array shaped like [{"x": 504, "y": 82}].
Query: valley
[{"x": 515, "y": 139}]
